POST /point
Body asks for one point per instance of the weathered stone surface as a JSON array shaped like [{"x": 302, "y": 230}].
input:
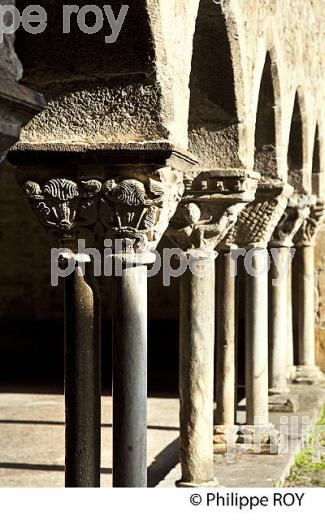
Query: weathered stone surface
[
  {"x": 18, "y": 104},
  {"x": 238, "y": 440},
  {"x": 197, "y": 307},
  {"x": 210, "y": 207},
  {"x": 286, "y": 403},
  {"x": 10, "y": 66},
  {"x": 137, "y": 89},
  {"x": 320, "y": 298}
]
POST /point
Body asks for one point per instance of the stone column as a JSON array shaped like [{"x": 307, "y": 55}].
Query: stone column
[
  {"x": 290, "y": 351},
  {"x": 281, "y": 254},
  {"x": 252, "y": 233},
  {"x": 225, "y": 340},
  {"x": 130, "y": 376},
  {"x": 68, "y": 210},
  {"x": 306, "y": 267},
  {"x": 226, "y": 343},
  {"x": 135, "y": 212},
  {"x": 127, "y": 205},
  {"x": 256, "y": 373},
  {"x": 208, "y": 210},
  {"x": 197, "y": 295},
  {"x": 82, "y": 379},
  {"x": 278, "y": 321},
  {"x": 281, "y": 399},
  {"x": 306, "y": 370}
]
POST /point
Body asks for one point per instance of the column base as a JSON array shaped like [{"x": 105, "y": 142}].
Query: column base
[
  {"x": 291, "y": 371},
  {"x": 282, "y": 401},
  {"x": 246, "y": 439},
  {"x": 308, "y": 375},
  {"x": 211, "y": 483},
  {"x": 224, "y": 436}
]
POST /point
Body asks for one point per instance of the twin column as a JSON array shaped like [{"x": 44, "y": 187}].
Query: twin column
[
  {"x": 302, "y": 338},
  {"x": 131, "y": 211}
]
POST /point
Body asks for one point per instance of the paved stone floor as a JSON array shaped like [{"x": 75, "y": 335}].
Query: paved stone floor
[
  {"x": 32, "y": 440},
  {"x": 32, "y": 443}
]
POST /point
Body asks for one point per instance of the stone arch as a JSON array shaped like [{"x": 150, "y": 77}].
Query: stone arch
[
  {"x": 297, "y": 146},
  {"x": 216, "y": 108},
  {"x": 268, "y": 115}
]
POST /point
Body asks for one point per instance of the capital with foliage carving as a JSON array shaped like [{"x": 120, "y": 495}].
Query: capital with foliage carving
[
  {"x": 136, "y": 207},
  {"x": 297, "y": 210},
  {"x": 307, "y": 233},
  {"x": 66, "y": 208},
  {"x": 210, "y": 207}
]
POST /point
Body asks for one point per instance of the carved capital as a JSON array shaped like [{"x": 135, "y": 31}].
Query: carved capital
[
  {"x": 306, "y": 235},
  {"x": 136, "y": 208},
  {"x": 125, "y": 193},
  {"x": 257, "y": 221},
  {"x": 67, "y": 209},
  {"x": 297, "y": 210},
  {"x": 210, "y": 207}
]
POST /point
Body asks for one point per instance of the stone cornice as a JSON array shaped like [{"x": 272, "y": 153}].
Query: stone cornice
[{"x": 115, "y": 153}]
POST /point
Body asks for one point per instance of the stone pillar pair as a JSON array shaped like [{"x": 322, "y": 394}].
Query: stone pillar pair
[
  {"x": 208, "y": 210},
  {"x": 280, "y": 301},
  {"x": 130, "y": 205},
  {"x": 251, "y": 234},
  {"x": 306, "y": 370}
]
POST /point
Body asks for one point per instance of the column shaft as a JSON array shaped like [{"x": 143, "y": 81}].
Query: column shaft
[
  {"x": 82, "y": 381},
  {"x": 290, "y": 351},
  {"x": 278, "y": 323},
  {"x": 257, "y": 340},
  {"x": 197, "y": 315},
  {"x": 225, "y": 341},
  {"x": 306, "y": 318},
  {"x": 130, "y": 377}
]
